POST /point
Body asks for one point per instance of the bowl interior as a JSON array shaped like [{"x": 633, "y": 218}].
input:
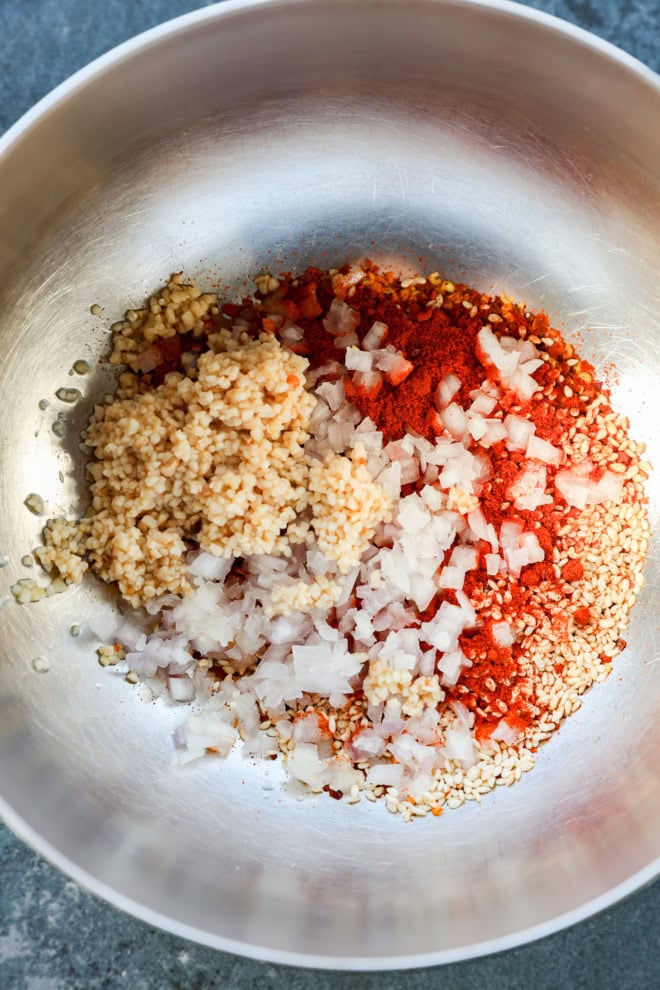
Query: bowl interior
[{"x": 482, "y": 140}]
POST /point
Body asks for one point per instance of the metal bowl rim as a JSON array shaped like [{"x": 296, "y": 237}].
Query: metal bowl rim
[{"x": 22, "y": 828}]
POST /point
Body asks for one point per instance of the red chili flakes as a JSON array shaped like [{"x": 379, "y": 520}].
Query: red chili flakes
[
  {"x": 582, "y": 616},
  {"x": 573, "y": 571}
]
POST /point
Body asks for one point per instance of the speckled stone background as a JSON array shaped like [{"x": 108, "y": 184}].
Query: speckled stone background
[{"x": 55, "y": 936}]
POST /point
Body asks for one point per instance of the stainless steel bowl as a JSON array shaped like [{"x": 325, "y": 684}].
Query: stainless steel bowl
[{"x": 484, "y": 139}]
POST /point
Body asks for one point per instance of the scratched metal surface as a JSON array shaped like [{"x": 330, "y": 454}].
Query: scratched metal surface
[{"x": 489, "y": 144}]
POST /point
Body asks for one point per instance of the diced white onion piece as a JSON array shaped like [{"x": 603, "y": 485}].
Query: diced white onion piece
[
  {"x": 450, "y": 666},
  {"x": 493, "y": 563},
  {"x": 464, "y": 557},
  {"x": 510, "y": 534},
  {"x": 494, "y": 353},
  {"x": 390, "y": 479},
  {"x": 336, "y": 440},
  {"x": 529, "y": 552},
  {"x": 609, "y": 488},
  {"x": 291, "y": 333},
  {"x": 519, "y": 431},
  {"x": 412, "y": 514},
  {"x": 210, "y": 567},
  {"x": 478, "y": 426},
  {"x": 482, "y": 403},
  {"x": 304, "y": 763},
  {"x": 432, "y": 497},
  {"x": 446, "y": 390},
  {"x": 399, "y": 370},
  {"x": 357, "y": 360},
  {"x": 504, "y": 733},
  {"x": 333, "y": 393},
  {"x": 528, "y": 352},
  {"x": 529, "y": 541},
  {"x": 452, "y": 578},
  {"x": 369, "y": 382},
  {"x": 495, "y": 432},
  {"x": 181, "y": 688},
  {"x": 481, "y": 529},
  {"x": 523, "y": 384},
  {"x": 332, "y": 370},
  {"x": 374, "y": 336},
  {"x": 104, "y": 624},
  {"x": 542, "y": 450},
  {"x": 409, "y": 470},
  {"x": 503, "y": 634},
  {"x": 505, "y": 354},
  {"x": 528, "y": 490},
  {"x": 385, "y": 775},
  {"x": 341, "y": 319},
  {"x": 459, "y": 745},
  {"x": 455, "y": 421},
  {"x": 579, "y": 490}
]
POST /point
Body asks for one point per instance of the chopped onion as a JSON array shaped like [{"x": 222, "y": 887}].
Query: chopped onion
[
  {"x": 510, "y": 534},
  {"x": 341, "y": 319},
  {"x": 459, "y": 745},
  {"x": 375, "y": 336},
  {"x": 446, "y": 390},
  {"x": 450, "y": 665},
  {"x": 495, "y": 432},
  {"x": 482, "y": 404},
  {"x": 504, "y": 733},
  {"x": 454, "y": 420},
  {"x": 368, "y": 382},
  {"x": 481, "y": 529},
  {"x": 210, "y": 567},
  {"x": 333, "y": 393},
  {"x": 503, "y": 634},
  {"x": 519, "y": 431},
  {"x": 478, "y": 426},
  {"x": 291, "y": 333},
  {"x": 528, "y": 490},
  {"x": 579, "y": 490},
  {"x": 181, "y": 688},
  {"x": 399, "y": 370},
  {"x": 409, "y": 470},
  {"x": 385, "y": 775},
  {"x": 541, "y": 450},
  {"x": 357, "y": 360}
]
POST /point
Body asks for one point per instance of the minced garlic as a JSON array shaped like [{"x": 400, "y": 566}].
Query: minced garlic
[{"x": 217, "y": 459}]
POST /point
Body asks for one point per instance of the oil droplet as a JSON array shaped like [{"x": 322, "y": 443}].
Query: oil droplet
[
  {"x": 75, "y": 630},
  {"x": 35, "y": 504},
  {"x": 81, "y": 367},
  {"x": 27, "y": 560},
  {"x": 4, "y": 559},
  {"x": 41, "y": 664},
  {"x": 43, "y": 403},
  {"x": 68, "y": 394},
  {"x": 59, "y": 428}
]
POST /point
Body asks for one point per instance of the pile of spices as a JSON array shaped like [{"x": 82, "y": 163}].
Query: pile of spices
[{"x": 392, "y": 529}]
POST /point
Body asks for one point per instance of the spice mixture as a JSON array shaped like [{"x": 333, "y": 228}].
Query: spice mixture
[{"x": 391, "y": 529}]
